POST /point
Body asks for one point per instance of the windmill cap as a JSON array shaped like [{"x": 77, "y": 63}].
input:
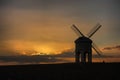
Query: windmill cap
[{"x": 83, "y": 39}]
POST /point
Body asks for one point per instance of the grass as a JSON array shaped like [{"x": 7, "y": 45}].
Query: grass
[{"x": 63, "y": 71}]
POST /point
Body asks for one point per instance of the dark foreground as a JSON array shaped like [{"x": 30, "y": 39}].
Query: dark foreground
[{"x": 67, "y": 71}]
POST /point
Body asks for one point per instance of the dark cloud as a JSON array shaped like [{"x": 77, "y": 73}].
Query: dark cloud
[
  {"x": 31, "y": 4},
  {"x": 38, "y": 58},
  {"x": 117, "y": 47},
  {"x": 106, "y": 56},
  {"x": 108, "y": 48},
  {"x": 113, "y": 47},
  {"x": 3, "y": 2},
  {"x": 66, "y": 53},
  {"x": 29, "y": 59}
]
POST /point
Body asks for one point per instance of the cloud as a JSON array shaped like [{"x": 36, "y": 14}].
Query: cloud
[
  {"x": 112, "y": 47},
  {"x": 23, "y": 59},
  {"x": 29, "y": 59},
  {"x": 65, "y": 56},
  {"x": 66, "y": 53},
  {"x": 3, "y": 2},
  {"x": 108, "y": 48}
]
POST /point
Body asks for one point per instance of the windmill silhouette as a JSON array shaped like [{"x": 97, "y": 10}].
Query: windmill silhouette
[{"x": 84, "y": 45}]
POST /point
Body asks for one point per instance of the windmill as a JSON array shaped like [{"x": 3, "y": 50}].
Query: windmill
[{"x": 84, "y": 45}]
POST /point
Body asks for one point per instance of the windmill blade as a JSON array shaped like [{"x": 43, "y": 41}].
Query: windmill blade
[
  {"x": 94, "y": 30},
  {"x": 98, "y": 51},
  {"x": 76, "y": 30}
]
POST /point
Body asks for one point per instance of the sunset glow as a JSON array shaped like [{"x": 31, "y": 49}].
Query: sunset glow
[{"x": 44, "y": 28}]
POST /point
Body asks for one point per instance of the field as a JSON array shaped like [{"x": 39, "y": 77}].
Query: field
[{"x": 64, "y": 71}]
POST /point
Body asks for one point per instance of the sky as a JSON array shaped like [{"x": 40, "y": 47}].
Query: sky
[{"x": 43, "y": 27}]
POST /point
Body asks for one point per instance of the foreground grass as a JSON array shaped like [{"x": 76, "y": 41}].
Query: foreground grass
[{"x": 65, "y": 71}]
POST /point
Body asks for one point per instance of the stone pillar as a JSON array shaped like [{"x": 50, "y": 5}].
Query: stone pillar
[
  {"x": 90, "y": 57},
  {"x": 83, "y": 57},
  {"x": 77, "y": 57}
]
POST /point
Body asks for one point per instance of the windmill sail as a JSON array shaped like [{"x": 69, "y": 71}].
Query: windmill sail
[
  {"x": 94, "y": 30},
  {"x": 76, "y": 30},
  {"x": 98, "y": 51}
]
